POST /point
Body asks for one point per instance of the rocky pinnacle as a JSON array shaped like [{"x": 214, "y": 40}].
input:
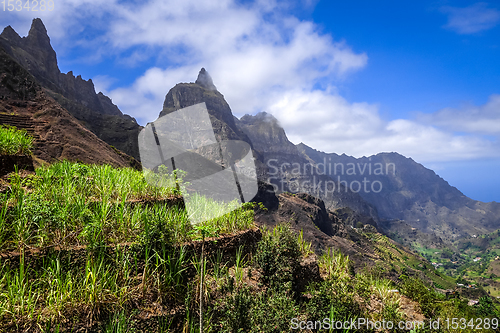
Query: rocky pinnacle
[{"x": 205, "y": 80}]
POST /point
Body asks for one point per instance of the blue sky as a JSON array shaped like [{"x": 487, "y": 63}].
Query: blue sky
[{"x": 356, "y": 77}]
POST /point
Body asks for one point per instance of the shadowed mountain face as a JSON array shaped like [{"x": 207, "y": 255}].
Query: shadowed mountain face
[
  {"x": 58, "y": 134},
  {"x": 406, "y": 190},
  {"x": 78, "y": 96},
  {"x": 203, "y": 90},
  {"x": 267, "y": 139},
  {"x": 289, "y": 171}
]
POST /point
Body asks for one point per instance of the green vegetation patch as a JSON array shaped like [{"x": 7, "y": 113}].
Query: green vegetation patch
[
  {"x": 14, "y": 141},
  {"x": 69, "y": 204}
]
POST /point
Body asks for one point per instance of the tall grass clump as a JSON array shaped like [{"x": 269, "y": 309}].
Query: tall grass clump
[
  {"x": 305, "y": 246},
  {"x": 335, "y": 264},
  {"x": 14, "y": 141},
  {"x": 223, "y": 218},
  {"x": 133, "y": 236},
  {"x": 333, "y": 298},
  {"x": 96, "y": 183}
]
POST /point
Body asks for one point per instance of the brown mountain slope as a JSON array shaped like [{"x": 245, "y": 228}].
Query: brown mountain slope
[
  {"x": 59, "y": 135},
  {"x": 95, "y": 111},
  {"x": 325, "y": 229}
]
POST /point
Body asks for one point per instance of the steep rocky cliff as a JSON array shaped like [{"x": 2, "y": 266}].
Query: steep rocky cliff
[
  {"x": 58, "y": 134},
  {"x": 203, "y": 90},
  {"x": 96, "y": 111},
  {"x": 223, "y": 122}
]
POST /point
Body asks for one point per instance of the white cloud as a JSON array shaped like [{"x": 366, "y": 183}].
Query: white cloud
[
  {"x": 475, "y": 18},
  {"x": 144, "y": 99},
  {"x": 252, "y": 57},
  {"x": 483, "y": 119},
  {"x": 328, "y": 122},
  {"x": 254, "y": 51}
]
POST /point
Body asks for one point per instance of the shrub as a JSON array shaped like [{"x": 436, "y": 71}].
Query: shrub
[
  {"x": 415, "y": 289},
  {"x": 273, "y": 311},
  {"x": 278, "y": 255},
  {"x": 331, "y": 299},
  {"x": 267, "y": 311},
  {"x": 234, "y": 315},
  {"x": 486, "y": 308}
]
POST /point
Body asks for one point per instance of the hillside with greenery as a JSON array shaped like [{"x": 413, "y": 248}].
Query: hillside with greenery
[
  {"x": 95, "y": 247},
  {"x": 473, "y": 261},
  {"x": 98, "y": 249}
]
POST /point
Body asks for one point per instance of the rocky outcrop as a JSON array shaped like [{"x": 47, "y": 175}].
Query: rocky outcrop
[
  {"x": 223, "y": 122},
  {"x": 96, "y": 111},
  {"x": 188, "y": 94},
  {"x": 59, "y": 135},
  {"x": 109, "y": 108},
  {"x": 325, "y": 229},
  {"x": 33, "y": 52}
]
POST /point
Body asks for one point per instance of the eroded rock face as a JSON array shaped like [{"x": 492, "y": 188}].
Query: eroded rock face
[
  {"x": 58, "y": 134},
  {"x": 184, "y": 95},
  {"x": 188, "y": 94},
  {"x": 320, "y": 226},
  {"x": 96, "y": 111}
]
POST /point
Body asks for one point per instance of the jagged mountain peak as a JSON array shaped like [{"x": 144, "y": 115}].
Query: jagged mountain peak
[
  {"x": 261, "y": 116},
  {"x": 35, "y": 54},
  {"x": 38, "y": 36},
  {"x": 37, "y": 26},
  {"x": 183, "y": 95},
  {"x": 10, "y": 34},
  {"x": 205, "y": 80}
]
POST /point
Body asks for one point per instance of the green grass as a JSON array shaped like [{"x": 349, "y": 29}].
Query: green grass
[
  {"x": 134, "y": 244},
  {"x": 334, "y": 264},
  {"x": 77, "y": 204},
  {"x": 14, "y": 141}
]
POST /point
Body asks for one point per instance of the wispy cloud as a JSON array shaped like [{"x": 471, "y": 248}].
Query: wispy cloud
[
  {"x": 471, "y": 19},
  {"x": 328, "y": 122},
  {"x": 254, "y": 52},
  {"x": 472, "y": 119}
]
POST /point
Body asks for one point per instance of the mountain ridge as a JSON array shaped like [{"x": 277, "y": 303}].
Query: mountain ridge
[
  {"x": 417, "y": 195},
  {"x": 279, "y": 156},
  {"x": 96, "y": 111},
  {"x": 59, "y": 135}
]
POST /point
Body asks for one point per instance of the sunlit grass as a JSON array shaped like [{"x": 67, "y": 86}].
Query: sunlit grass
[
  {"x": 77, "y": 204},
  {"x": 334, "y": 264},
  {"x": 14, "y": 141}
]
